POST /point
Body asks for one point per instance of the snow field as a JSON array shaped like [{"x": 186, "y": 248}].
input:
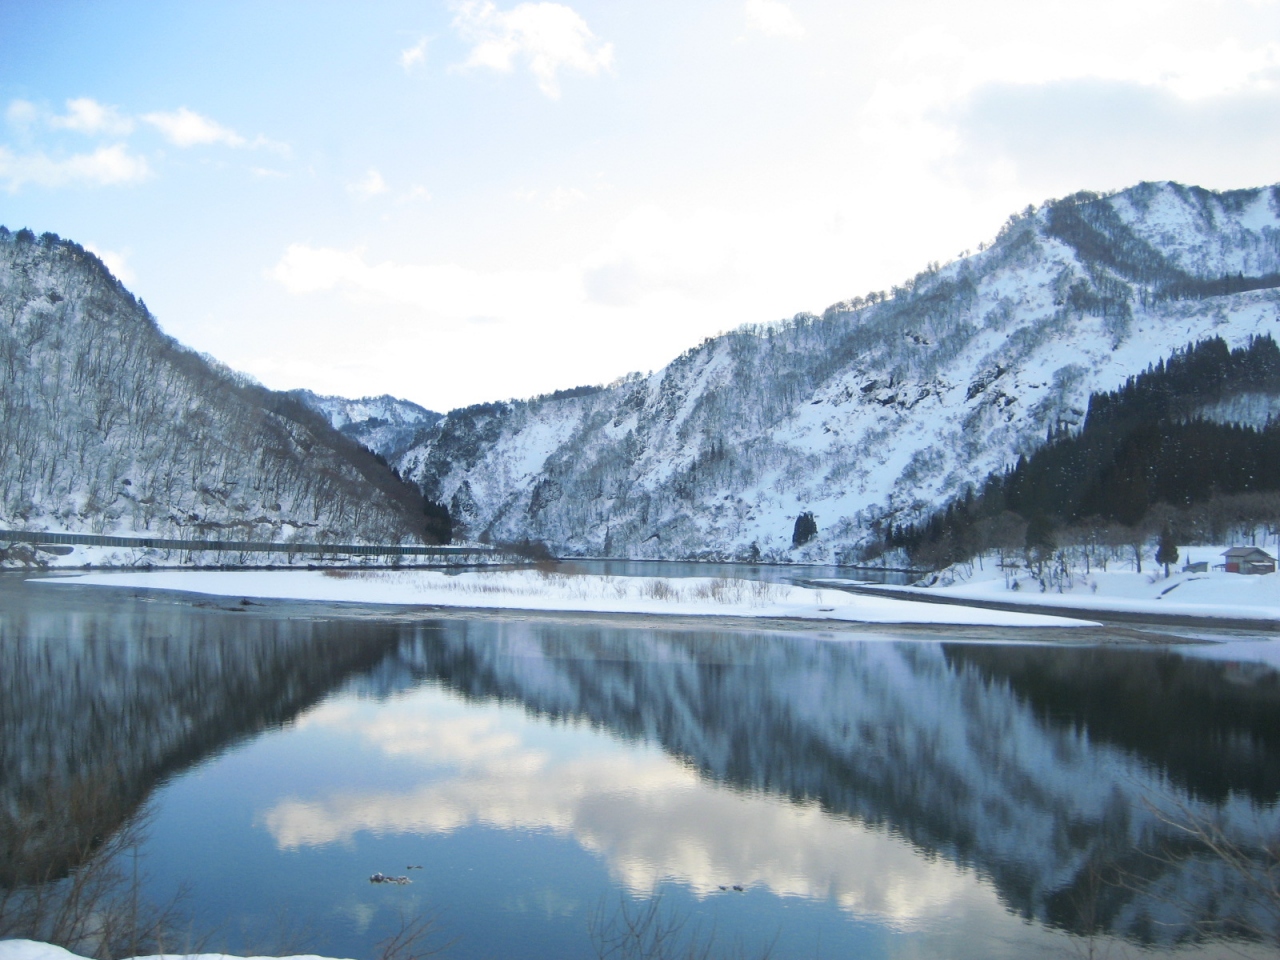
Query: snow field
[
  {"x": 584, "y": 593},
  {"x": 1230, "y": 596}
]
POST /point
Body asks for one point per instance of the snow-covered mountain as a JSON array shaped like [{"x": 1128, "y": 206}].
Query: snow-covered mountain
[
  {"x": 880, "y": 408},
  {"x": 109, "y": 426},
  {"x": 386, "y": 425}
]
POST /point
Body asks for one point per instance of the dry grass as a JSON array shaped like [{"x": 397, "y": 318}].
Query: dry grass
[
  {"x": 414, "y": 938},
  {"x": 554, "y": 580},
  {"x": 89, "y": 899},
  {"x": 648, "y": 930}
]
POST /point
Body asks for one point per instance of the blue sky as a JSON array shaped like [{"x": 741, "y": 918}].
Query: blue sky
[{"x": 464, "y": 201}]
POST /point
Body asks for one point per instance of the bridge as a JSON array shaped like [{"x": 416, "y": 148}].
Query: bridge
[{"x": 291, "y": 549}]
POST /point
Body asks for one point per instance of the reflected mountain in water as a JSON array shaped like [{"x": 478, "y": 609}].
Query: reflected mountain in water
[
  {"x": 1035, "y": 767},
  {"x": 952, "y": 747},
  {"x": 102, "y": 697},
  {"x": 1213, "y": 728}
]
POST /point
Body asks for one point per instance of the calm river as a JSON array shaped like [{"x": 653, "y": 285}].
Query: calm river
[{"x": 871, "y": 794}]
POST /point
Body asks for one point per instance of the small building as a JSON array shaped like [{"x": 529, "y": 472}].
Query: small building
[
  {"x": 1249, "y": 560},
  {"x": 1200, "y": 566}
]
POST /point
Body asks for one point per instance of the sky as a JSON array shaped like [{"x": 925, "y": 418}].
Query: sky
[{"x": 458, "y": 201}]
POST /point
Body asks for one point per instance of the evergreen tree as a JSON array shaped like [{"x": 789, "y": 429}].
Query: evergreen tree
[
  {"x": 1040, "y": 541},
  {"x": 1167, "y": 552},
  {"x": 805, "y": 530}
]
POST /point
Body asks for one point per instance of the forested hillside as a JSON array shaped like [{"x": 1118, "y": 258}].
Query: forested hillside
[
  {"x": 874, "y": 413},
  {"x": 386, "y": 425},
  {"x": 1190, "y": 446},
  {"x": 109, "y": 426}
]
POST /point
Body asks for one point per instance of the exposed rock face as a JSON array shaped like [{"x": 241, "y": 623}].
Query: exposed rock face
[
  {"x": 109, "y": 426},
  {"x": 878, "y": 409}
]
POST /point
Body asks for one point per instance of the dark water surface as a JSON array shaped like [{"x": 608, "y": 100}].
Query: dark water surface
[{"x": 873, "y": 797}]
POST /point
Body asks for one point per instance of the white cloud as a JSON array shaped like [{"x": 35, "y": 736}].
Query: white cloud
[
  {"x": 416, "y": 193},
  {"x": 117, "y": 263},
  {"x": 548, "y": 37},
  {"x": 1209, "y": 71},
  {"x": 556, "y": 200},
  {"x": 445, "y": 292},
  {"x": 370, "y": 185},
  {"x": 414, "y": 56},
  {"x": 186, "y": 128},
  {"x": 21, "y": 113},
  {"x": 650, "y": 819},
  {"x": 664, "y": 279},
  {"x": 88, "y": 116},
  {"x": 563, "y": 197},
  {"x": 182, "y": 127},
  {"x": 652, "y": 252},
  {"x": 105, "y": 166},
  {"x": 773, "y": 18},
  {"x": 1108, "y": 134}
]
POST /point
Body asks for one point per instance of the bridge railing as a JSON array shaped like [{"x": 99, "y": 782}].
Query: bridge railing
[{"x": 292, "y": 548}]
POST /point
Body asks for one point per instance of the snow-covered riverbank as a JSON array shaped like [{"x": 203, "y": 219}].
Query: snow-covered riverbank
[
  {"x": 36, "y": 950},
  {"x": 578, "y": 593},
  {"x": 1213, "y": 594}
]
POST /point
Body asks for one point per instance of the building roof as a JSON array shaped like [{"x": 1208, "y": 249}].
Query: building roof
[{"x": 1248, "y": 553}]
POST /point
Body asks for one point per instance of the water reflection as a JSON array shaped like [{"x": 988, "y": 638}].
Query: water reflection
[
  {"x": 909, "y": 783},
  {"x": 649, "y": 819},
  {"x": 102, "y": 698},
  {"x": 1213, "y": 728},
  {"x": 953, "y": 748}
]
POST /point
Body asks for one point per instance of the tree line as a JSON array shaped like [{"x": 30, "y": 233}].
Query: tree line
[{"x": 1145, "y": 462}]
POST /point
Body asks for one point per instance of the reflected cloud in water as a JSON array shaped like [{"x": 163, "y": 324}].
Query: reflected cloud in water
[
  {"x": 651, "y": 818},
  {"x": 949, "y": 792}
]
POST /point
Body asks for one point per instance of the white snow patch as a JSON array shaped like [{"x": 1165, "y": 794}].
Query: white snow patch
[
  {"x": 1228, "y": 596},
  {"x": 587, "y": 593},
  {"x": 35, "y": 950}
]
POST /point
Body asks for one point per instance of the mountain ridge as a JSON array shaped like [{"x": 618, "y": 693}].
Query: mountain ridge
[
  {"x": 864, "y": 417},
  {"x": 876, "y": 410},
  {"x": 107, "y": 425},
  {"x": 385, "y": 424}
]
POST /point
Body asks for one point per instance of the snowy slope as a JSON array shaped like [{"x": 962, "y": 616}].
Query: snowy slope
[
  {"x": 109, "y": 426},
  {"x": 386, "y": 425},
  {"x": 879, "y": 408}
]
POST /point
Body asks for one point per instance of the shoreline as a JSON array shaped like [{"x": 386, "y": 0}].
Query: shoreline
[
  {"x": 1077, "y": 633},
  {"x": 1101, "y": 613}
]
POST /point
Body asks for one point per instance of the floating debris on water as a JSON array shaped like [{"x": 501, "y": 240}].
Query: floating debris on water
[{"x": 383, "y": 878}]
